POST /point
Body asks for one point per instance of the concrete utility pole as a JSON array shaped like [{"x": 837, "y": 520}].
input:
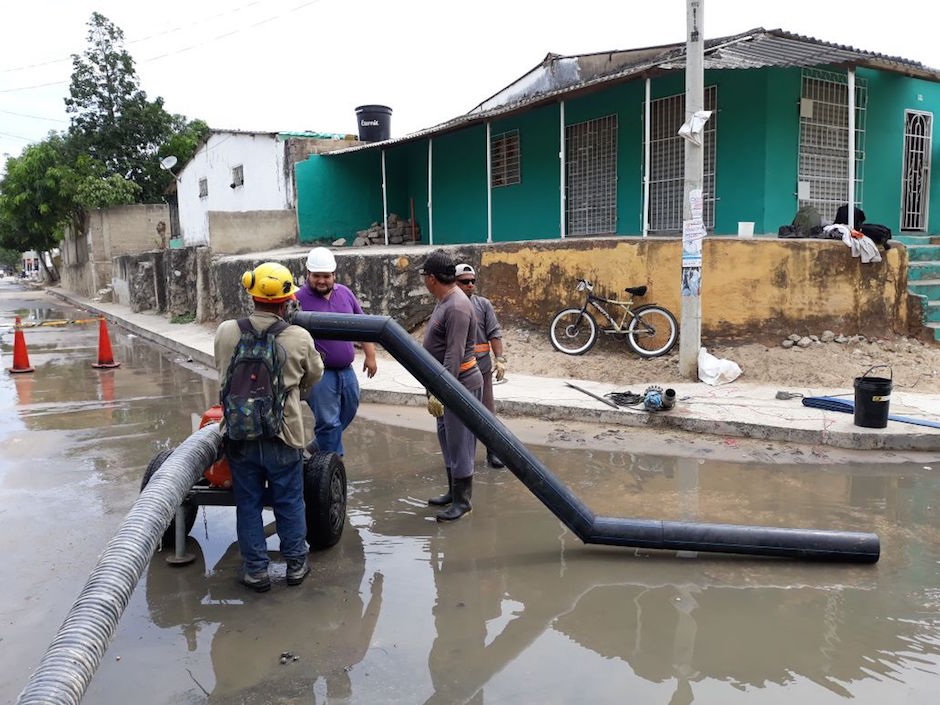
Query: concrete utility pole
[{"x": 690, "y": 325}]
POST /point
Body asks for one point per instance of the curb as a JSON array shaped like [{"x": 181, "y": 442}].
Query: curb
[{"x": 679, "y": 420}]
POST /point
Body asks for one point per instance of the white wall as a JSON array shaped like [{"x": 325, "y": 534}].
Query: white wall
[{"x": 266, "y": 187}]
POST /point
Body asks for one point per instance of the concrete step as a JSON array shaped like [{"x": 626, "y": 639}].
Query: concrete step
[
  {"x": 923, "y": 253},
  {"x": 928, "y": 288},
  {"x": 936, "y": 329},
  {"x": 912, "y": 239},
  {"x": 917, "y": 271},
  {"x": 917, "y": 238},
  {"x": 932, "y": 311}
]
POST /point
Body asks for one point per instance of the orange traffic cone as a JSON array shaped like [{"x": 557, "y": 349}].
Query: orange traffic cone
[
  {"x": 20, "y": 356},
  {"x": 105, "y": 356}
]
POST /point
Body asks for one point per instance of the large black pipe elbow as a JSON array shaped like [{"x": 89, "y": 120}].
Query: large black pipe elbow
[{"x": 809, "y": 544}]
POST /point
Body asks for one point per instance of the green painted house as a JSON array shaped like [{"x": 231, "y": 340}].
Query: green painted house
[{"x": 587, "y": 145}]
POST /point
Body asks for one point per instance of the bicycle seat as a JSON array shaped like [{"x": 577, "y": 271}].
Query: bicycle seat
[{"x": 636, "y": 290}]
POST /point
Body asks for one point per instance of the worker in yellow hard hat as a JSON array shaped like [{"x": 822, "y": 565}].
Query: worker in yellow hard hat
[{"x": 266, "y": 369}]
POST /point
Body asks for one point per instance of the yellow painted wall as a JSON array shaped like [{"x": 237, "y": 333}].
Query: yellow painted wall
[{"x": 752, "y": 289}]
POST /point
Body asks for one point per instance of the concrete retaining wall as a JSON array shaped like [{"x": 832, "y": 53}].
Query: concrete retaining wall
[{"x": 753, "y": 290}]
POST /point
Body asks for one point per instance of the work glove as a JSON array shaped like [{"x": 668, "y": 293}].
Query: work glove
[
  {"x": 500, "y": 368},
  {"x": 435, "y": 407}
]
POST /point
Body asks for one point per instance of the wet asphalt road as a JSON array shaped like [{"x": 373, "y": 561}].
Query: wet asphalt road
[{"x": 503, "y": 607}]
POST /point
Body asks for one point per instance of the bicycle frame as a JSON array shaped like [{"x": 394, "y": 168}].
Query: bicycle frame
[{"x": 616, "y": 327}]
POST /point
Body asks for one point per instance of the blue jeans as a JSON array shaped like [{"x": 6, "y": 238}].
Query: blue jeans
[
  {"x": 253, "y": 463},
  {"x": 334, "y": 401}
]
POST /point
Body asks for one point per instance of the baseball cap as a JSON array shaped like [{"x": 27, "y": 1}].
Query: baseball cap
[
  {"x": 438, "y": 262},
  {"x": 465, "y": 269}
]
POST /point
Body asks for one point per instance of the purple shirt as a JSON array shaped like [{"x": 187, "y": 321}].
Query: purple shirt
[{"x": 336, "y": 354}]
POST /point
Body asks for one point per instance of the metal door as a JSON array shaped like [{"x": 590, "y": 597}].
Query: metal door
[{"x": 915, "y": 178}]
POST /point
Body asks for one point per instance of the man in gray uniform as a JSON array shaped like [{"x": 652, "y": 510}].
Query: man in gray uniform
[
  {"x": 488, "y": 337},
  {"x": 450, "y": 338}
]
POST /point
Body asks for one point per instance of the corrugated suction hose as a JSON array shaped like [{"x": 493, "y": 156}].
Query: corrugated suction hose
[{"x": 73, "y": 656}]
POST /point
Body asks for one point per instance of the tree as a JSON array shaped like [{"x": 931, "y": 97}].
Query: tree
[
  {"x": 9, "y": 259},
  {"x": 45, "y": 189},
  {"x": 115, "y": 123}
]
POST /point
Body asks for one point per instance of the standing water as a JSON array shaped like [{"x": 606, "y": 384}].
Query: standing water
[{"x": 505, "y": 606}]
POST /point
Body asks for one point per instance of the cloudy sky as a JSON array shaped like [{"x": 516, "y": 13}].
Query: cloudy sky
[{"x": 306, "y": 64}]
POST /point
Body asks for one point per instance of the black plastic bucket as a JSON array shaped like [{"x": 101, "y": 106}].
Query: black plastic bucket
[
  {"x": 375, "y": 122},
  {"x": 872, "y": 398}
]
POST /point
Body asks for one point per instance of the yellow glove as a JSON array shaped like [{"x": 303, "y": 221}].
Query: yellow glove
[
  {"x": 500, "y": 368},
  {"x": 435, "y": 407}
]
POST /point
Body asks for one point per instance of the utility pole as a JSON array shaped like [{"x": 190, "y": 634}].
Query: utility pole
[{"x": 690, "y": 327}]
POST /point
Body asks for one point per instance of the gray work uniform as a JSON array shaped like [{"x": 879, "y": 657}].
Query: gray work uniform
[
  {"x": 450, "y": 338},
  {"x": 487, "y": 329}
]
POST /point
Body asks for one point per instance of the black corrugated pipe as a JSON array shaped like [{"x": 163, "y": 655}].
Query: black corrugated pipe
[{"x": 810, "y": 544}]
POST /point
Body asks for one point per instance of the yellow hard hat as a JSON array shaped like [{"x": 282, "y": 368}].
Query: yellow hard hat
[{"x": 269, "y": 282}]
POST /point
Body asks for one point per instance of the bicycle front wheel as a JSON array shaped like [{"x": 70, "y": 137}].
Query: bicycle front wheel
[
  {"x": 653, "y": 332},
  {"x": 573, "y": 331}
]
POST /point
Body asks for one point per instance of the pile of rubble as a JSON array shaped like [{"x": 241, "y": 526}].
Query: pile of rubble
[
  {"x": 399, "y": 231},
  {"x": 804, "y": 341}
]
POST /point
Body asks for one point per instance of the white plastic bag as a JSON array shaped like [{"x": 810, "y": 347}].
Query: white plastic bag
[{"x": 712, "y": 370}]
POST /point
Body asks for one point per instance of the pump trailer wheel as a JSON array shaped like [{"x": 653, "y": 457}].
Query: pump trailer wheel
[{"x": 189, "y": 509}]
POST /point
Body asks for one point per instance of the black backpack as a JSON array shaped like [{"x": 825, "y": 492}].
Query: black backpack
[
  {"x": 253, "y": 393},
  {"x": 842, "y": 216}
]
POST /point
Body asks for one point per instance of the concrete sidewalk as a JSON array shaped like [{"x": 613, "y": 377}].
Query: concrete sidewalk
[{"x": 745, "y": 410}]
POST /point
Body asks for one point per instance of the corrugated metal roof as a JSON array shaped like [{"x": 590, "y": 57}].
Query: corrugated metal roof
[{"x": 757, "y": 48}]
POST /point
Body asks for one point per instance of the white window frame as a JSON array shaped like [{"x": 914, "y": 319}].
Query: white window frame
[
  {"x": 505, "y": 159},
  {"x": 667, "y": 163},
  {"x": 916, "y": 220},
  {"x": 823, "y": 171},
  {"x": 591, "y": 177},
  {"x": 203, "y": 187},
  {"x": 238, "y": 176}
]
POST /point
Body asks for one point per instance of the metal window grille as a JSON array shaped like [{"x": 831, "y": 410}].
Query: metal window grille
[
  {"x": 238, "y": 176},
  {"x": 504, "y": 159},
  {"x": 915, "y": 179},
  {"x": 591, "y": 177},
  {"x": 824, "y": 141},
  {"x": 667, "y": 162},
  {"x": 203, "y": 188}
]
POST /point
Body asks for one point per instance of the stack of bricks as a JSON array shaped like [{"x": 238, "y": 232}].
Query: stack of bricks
[{"x": 399, "y": 232}]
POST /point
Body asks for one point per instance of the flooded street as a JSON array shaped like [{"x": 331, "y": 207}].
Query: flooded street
[{"x": 505, "y": 606}]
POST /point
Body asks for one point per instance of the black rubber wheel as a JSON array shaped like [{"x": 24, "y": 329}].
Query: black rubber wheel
[
  {"x": 325, "y": 499},
  {"x": 573, "y": 331},
  {"x": 189, "y": 510}
]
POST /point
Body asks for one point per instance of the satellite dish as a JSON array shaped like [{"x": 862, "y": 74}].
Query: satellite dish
[{"x": 168, "y": 163}]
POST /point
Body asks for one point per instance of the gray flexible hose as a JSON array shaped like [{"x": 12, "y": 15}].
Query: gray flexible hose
[{"x": 73, "y": 656}]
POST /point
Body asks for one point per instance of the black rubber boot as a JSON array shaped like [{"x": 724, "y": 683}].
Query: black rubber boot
[
  {"x": 493, "y": 461},
  {"x": 463, "y": 490},
  {"x": 447, "y": 498}
]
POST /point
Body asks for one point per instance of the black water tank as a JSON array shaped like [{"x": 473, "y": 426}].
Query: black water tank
[{"x": 375, "y": 122}]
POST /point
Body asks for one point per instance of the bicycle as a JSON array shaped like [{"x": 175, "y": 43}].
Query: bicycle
[{"x": 651, "y": 330}]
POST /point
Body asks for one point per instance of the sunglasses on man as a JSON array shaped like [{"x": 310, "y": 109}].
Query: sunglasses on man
[{"x": 466, "y": 281}]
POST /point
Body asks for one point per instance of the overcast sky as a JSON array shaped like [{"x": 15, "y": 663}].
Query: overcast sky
[{"x": 306, "y": 64}]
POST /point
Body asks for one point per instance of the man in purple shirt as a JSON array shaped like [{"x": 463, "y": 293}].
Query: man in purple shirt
[{"x": 334, "y": 400}]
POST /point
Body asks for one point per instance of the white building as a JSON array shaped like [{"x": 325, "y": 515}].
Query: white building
[{"x": 237, "y": 193}]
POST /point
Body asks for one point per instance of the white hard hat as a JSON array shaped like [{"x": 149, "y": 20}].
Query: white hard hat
[
  {"x": 321, "y": 259},
  {"x": 465, "y": 269}
]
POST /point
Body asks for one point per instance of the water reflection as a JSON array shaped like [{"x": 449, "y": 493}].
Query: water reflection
[
  {"x": 328, "y": 627},
  {"x": 514, "y": 598}
]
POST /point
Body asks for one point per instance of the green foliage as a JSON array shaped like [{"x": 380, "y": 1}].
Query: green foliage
[
  {"x": 109, "y": 156},
  {"x": 34, "y": 200},
  {"x": 9, "y": 259},
  {"x": 183, "y": 318},
  {"x": 115, "y": 123},
  {"x": 44, "y": 190}
]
